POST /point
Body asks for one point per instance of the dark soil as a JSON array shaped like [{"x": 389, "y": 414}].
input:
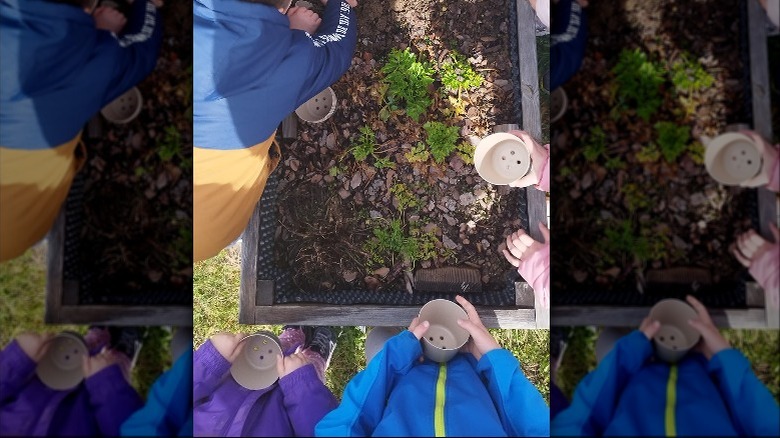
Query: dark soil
[
  {"x": 688, "y": 219},
  {"x": 329, "y": 203},
  {"x": 136, "y": 240}
]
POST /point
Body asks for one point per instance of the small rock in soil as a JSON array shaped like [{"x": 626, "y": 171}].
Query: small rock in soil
[
  {"x": 382, "y": 272},
  {"x": 349, "y": 276},
  {"x": 357, "y": 179},
  {"x": 371, "y": 283},
  {"x": 448, "y": 243},
  {"x": 344, "y": 193},
  {"x": 450, "y": 220}
]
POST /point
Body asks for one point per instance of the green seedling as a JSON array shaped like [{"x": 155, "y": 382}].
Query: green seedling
[
  {"x": 408, "y": 79},
  {"x": 638, "y": 80},
  {"x": 442, "y": 140},
  {"x": 672, "y": 140}
]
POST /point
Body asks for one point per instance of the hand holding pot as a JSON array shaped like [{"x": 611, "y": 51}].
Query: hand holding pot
[
  {"x": 481, "y": 340},
  {"x": 649, "y": 327},
  {"x": 109, "y": 19},
  {"x": 288, "y": 364},
  {"x": 711, "y": 340},
  {"x": 769, "y": 166},
  {"x": 539, "y": 160},
  {"x": 227, "y": 344},
  {"x": 106, "y": 358},
  {"x": 34, "y": 345},
  {"x": 304, "y": 19}
]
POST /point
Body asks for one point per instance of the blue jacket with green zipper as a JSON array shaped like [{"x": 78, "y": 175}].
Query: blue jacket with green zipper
[
  {"x": 396, "y": 395},
  {"x": 629, "y": 394}
]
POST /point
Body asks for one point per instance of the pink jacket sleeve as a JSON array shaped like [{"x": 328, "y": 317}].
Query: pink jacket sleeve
[
  {"x": 544, "y": 182},
  {"x": 536, "y": 271},
  {"x": 766, "y": 270}
]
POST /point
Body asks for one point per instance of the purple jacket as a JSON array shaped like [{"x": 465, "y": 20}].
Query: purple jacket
[
  {"x": 97, "y": 406},
  {"x": 289, "y": 407}
]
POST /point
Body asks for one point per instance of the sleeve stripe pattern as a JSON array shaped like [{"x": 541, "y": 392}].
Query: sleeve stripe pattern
[
  {"x": 572, "y": 29},
  {"x": 341, "y": 29},
  {"x": 150, "y": 20}
]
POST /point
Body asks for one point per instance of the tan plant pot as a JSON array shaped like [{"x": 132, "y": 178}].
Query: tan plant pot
[
  {"x": 502, "y": 158},
  {"x": 319, "y": 108},
  {"x": 61, "y": 366},
  {"x": 444, "y": 336},
  {"x": 124, "y": 108},
  {"x": 255, "y": 366},
  {"x": 733, "y": 158},
  {"x": 675, "y": 337}
]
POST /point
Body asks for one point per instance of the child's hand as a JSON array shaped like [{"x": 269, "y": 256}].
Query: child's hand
[
  {"x": 418, "y": 328},
  {"x": 109, "y": 19},
  {"x": 649, "y": 327},
  {"x": 288, "y": 364},
  {"x": 34, "y": 345},
  {"x": 481, "y": 340},
  {"x": 227, "y": 344},
  {"x": 94, "y": 364},
  {"x": 751, "y": 246},
  {"x": 539, "y": 156},
  {"x": 304, "y": 19},
  {"x": 711, "y": 342},
  {"x": 520, "y": 246}
]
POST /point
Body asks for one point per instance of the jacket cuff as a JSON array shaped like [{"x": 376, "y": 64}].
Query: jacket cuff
[
  {"x": 493, "y": 358},
  {"x": 729, "y": 359},
  {"x": 17, "y": 359},
  {"x": 107, "y": 382},
  {"x": 766, "y": 272},
  {"x": 544, "y": 177},
  {"x": 301, "y": 379},
  {"x": 208, "y": 357}
]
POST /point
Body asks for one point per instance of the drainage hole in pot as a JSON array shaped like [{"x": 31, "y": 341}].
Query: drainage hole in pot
[
  {"x": 441, "y": 338},
  {"x": 671, "y": 337},
  {"x": 743, "y": 152},
  {"x": 503, "y": 158},
  {"x": 262, "y": 357},
  {"x": 67, "y": 357},
  {"x": 661, "y": 338},
  {"x": 430, "y": 338},
  {"x": 270, "y": 351},
  {"x": 511, "y": 152},
  {"x": 518, "y": 161},
  {"x": 750, "y": 162}
]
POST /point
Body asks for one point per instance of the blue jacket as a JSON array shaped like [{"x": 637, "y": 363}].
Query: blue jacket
[
  {"x": 58, "y": 70},
  {"x": 251, "y": 71},
  {"x": 628, "y": 394},
  {"x": 168, "y": 408},
  {"x": 568, "y": 39},
  {"x": 399, "y": 396}
]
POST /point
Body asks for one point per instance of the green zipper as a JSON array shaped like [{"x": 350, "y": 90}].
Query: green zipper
[
  {"x": 671, "y": 402},
  {"x": 438, "y": 411}
]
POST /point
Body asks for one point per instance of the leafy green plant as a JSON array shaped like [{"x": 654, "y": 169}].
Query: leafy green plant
[
  {"x": 696, "y": 152},
  {"x": 672, "y": 139},
  {"x": 457, "y": 74},
  {"x": 405, "y": 197},
  {"x": 689, "y": 76},
  {"x": 635, "y": 197},
  {"x": 620, "y": 240},
  {"x": 648, "y": 154},
  {"x": 466, "y": 152},
  {"x": 408, "y": 80},
  {"x": 638, "y": 79},
  {"x": 595, "y": 144},
  {"x": 391, "y": 242},
  {"x": 615, "y": 163},
  {"x": 418, "y": 154},
  {"x": 170, "y": 146},
  {"x": 365, "y": 147},
  {"x": 441, "y": 139}
]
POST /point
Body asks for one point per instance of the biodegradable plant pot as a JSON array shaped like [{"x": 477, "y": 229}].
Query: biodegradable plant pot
[
  {"x": 124, "y": 108},
  {"x": 733, "y": 158},
  {"x": 61, "y": 366},
  {"x": 502, "y": 158},
  {"x": 559, "y": 102},
  {"x": 444, "y": 336},
  {"x": 675, "y": 337},
  {"x": 255, "y": 366},
  {"x": 319, "y": 108}
]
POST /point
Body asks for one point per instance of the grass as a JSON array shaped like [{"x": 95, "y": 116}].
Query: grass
[
  {"x": 759, "y": 346},
  {"x": 216, "y": 288},
  {"x": 22, "y": 298}
]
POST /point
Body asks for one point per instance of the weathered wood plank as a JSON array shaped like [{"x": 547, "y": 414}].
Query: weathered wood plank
[
  {"x": 612, "y": 316},
  {"x": 55, "y": 254},
  {"x": 290, "y": 126},
  {"x": 125, "y": 315},
  {"x": 250, "y": 242},
  {"x": 317, "y": 314},
  {"x": 529, "y": 74}
]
